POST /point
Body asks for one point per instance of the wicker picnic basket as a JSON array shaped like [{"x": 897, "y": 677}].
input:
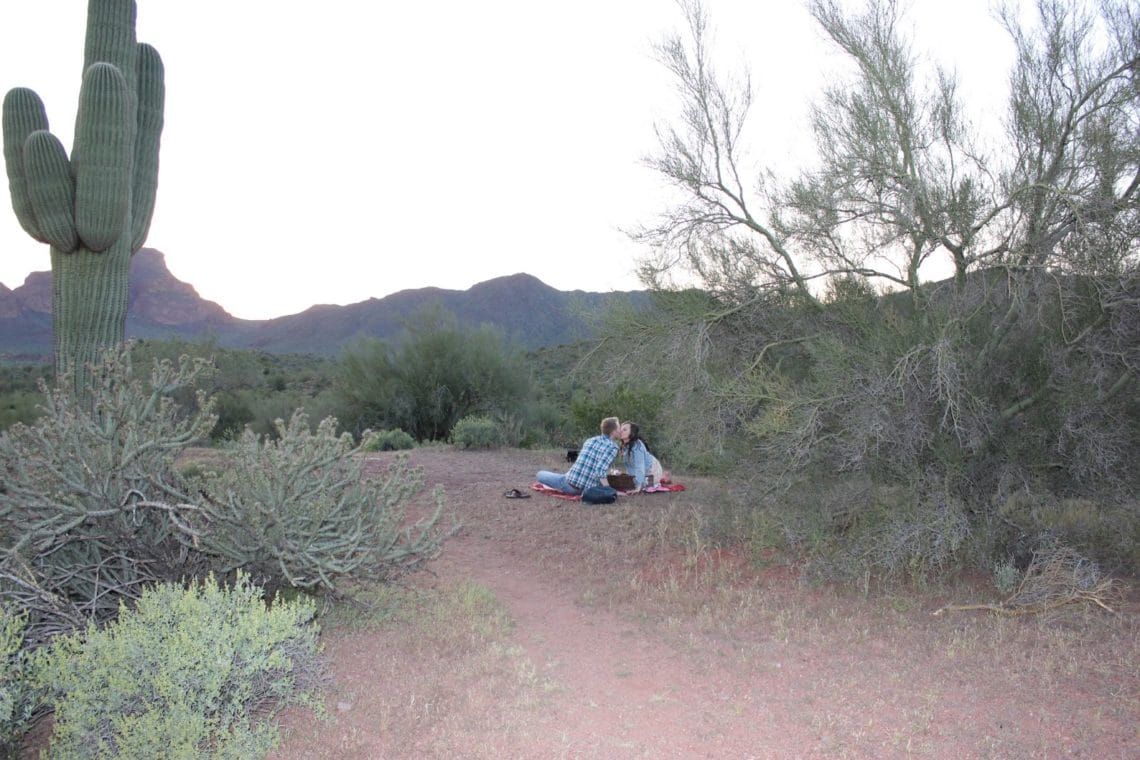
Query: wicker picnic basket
[{"x": 621, "y": 481}]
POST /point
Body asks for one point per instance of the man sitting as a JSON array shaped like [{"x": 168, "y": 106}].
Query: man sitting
[{"x": 592, "y": 464}]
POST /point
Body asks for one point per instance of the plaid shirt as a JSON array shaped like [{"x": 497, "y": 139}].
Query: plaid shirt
[{"x": 593, "y": 462}]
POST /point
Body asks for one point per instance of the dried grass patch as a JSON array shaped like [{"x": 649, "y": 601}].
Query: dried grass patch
[{"x": 441, "y": 677}]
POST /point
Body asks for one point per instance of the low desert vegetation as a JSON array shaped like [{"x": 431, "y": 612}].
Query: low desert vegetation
[
  {"x": 19, "y": 392},
  {"x": 294, "y": 510},
  {"x": 388, "y": 440},
  {"x": 113, "y": 531},
  {"x": 476, "y": 432},
  {"x": 17, "y": 692},
  {"x": 436, "y": 375},
  {"x": 186, "y": 672}
]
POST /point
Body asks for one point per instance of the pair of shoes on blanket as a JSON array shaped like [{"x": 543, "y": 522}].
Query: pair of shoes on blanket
[{"x": 515, "y": 493}]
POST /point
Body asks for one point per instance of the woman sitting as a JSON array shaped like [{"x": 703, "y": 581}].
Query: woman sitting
[{"x": 638, "y": 460}]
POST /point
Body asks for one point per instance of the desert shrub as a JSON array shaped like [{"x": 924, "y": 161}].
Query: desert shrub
[
  {"x": 972, "y": 384},
  {"x": 517, "y": 430},
  {"x": 93, "y": 508},
  {"x": 919, "y": 539},
  {"x": 388, "y": 440},
  {"x": 191, "y": 673},
  {"x": 320, "y": 404},
  {"x": 268, "y": 410},
  {"x": 19, "y": 406},
  {"x": 1108, "y": 529},
  {"x": 544, "y": 423},
  {"x": 86, "y": 507},
  {"x": 293, "y": 509},
  {"x": 17, "y": 695},
  {"x": 820, "y": 345},
  {"x": 21, "y": 397},
  {"x": 435, "y": 375},
  {"x": 261, "y": 409},
  {"x": 853, "y": 530},
  {"x": 623, "y": 400},
  {"x": 249, "y": 386},
  {"x": 559, "y": 375},
  {"x": 731, "y": 515},
  {"x": 235, "y": 410},
  {"x": 476, "y": 432},
  {"x": 1005, "y": 575}
]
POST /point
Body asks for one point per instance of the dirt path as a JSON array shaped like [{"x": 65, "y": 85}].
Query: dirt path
[
  {"x": 623, "y": 691},
  {"x": 629, "y": 637}
]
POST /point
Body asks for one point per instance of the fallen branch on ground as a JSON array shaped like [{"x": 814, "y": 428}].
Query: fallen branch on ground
[{"x": 1054, "y": 579}]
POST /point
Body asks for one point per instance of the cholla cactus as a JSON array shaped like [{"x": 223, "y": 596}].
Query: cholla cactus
[{"x": 93, "y": 209}]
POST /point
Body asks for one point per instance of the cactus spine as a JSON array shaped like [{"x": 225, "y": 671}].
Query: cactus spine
[{"x": 93, "y": 209}]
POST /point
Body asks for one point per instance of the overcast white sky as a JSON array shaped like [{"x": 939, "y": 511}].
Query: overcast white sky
[{"x": 331, "y": 152}]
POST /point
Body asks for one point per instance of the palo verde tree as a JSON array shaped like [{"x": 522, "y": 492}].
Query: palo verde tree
[
  {"x": 902, "y": 179},
  {"x": 823, "y": 345},
  {"x": 93, "y": 209}
]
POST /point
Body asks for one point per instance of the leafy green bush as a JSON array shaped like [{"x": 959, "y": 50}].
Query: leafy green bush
[
  {"x": 17, "y": 700},
  {"x": 476, "y": 432},
  {"x": 437, "y": 374},
  {"x": 235, "y": 411},
  {"x": 294, "y": 509},
  {"x": 388, "y": 440},
  {"x": 21, "y": 397},
  {"x": 19, "y": 406},
  {"x": 542, "y": 424},
  {"x": 640, "y": 403},
  {"x": 191, "y": 673},
  {"x": 623, "y": 400}
]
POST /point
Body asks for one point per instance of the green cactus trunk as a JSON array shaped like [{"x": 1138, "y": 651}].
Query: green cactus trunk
[
  {"x": 93, "y": 209},
  {"x": 89, "y": 301}
]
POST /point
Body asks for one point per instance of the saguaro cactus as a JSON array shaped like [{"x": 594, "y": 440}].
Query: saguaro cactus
[{"x": 94, "y": 209}]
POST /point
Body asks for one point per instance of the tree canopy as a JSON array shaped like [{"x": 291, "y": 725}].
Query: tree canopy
[{"x": 924, "y": 307}]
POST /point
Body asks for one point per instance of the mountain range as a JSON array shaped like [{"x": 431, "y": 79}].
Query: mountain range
[{"x": 529, "y": 312}]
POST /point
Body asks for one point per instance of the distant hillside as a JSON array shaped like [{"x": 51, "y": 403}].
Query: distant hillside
[{"x": 530, "y": 312}]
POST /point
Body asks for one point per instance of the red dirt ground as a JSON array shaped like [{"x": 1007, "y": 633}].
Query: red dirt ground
[
  {"x": 624, "y": 631},
  {"x": 630, "y": 637}
]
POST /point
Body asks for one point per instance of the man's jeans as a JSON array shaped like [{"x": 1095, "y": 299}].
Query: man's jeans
[{"x": 557, "y": 481}]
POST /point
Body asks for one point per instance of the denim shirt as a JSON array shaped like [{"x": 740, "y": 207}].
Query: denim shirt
[{"x": 637, "y": 462}]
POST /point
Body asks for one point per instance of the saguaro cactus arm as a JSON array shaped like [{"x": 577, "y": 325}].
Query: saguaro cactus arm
[
  {"x": 151, "y": 104},
  {"x": 111, "y": 36},
  {"x": 102, "y": 160},
  {"x": 51, "y": 189},
  {"x": 23, "y": 114}
]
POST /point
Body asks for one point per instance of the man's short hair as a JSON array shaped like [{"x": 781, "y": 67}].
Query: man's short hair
[{"x": 609, "y": 425}]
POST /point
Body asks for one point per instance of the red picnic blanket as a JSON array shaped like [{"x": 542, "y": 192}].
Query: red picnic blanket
[{"x": 659, "y": 488}]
